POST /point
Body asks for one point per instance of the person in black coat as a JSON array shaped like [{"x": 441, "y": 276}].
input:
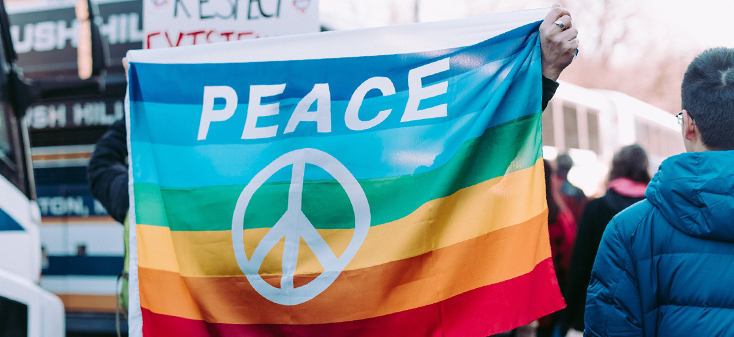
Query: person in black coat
[
  {"x": 107, "y": 171},
  {"x": 628, "y": 180},
  {"x": 572, "y": 196}
]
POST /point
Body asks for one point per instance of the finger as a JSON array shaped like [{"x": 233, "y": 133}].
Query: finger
[
  {"x": 556, "y": 5},
  {"x": 568, "y": 34},
  {"x": 126, "y": 65},
  {"x": 570, "y": 47},
  {"x": 566, "y": 19},
  {"x": 555, "y": 13}
]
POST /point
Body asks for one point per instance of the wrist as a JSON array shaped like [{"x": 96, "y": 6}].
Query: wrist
[{"x": 551, "y": 73}]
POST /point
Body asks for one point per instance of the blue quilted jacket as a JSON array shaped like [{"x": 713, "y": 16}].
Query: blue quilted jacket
[{"x": 665, "y": 266}]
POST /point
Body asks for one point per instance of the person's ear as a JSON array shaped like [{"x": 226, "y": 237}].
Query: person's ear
[{"x": 690, "y": 129}]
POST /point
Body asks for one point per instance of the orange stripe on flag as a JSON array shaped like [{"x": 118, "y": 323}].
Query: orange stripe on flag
[
  {"x": 357, "y": 294},
  {"x": 480, "y": 312}
]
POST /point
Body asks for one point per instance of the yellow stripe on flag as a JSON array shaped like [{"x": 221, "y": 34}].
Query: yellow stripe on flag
[{"x": 468, "y": 213}]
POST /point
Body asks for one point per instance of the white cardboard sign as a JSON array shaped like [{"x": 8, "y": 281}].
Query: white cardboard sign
[{"x": 173, "y": 23}]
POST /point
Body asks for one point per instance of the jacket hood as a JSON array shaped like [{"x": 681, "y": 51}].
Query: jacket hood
[
  {"x": 695, "y": 193},
  {"x": 618, "y": 202},
  {"x": 628, "y": 187}
]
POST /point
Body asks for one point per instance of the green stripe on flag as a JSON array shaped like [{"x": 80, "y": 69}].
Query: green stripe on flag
[{"x": 504, "y": 149}]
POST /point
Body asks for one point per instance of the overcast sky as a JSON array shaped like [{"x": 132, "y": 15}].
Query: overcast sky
[
  {"x": 706, "y": 23},
  {"x": 682, "y": 24}
]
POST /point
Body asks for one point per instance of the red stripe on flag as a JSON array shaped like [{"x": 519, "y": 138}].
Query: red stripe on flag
[{"x": 480, "y": 312}]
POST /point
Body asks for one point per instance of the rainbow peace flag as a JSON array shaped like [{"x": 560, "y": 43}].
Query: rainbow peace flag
[{"x": 379, "y": 182}]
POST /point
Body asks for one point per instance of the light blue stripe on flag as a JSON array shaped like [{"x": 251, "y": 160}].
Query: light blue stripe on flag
[
  {"x": 177, "y": 124},
  {"x": 389, "y": 149}
]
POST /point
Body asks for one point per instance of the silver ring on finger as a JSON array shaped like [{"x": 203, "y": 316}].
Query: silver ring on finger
[{"x": 560, "y": 24}]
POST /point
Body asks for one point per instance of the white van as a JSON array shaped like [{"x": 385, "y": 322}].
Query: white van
[{"x": 26, "y": 310}]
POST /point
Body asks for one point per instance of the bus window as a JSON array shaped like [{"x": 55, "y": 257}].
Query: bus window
[
  {"x": 8, "y": 162},
  {"x": 570, "y": 127},
  {"x": 11, "y": 152},
  {"x": 668, "y": 144},
  {"x": 642, "y": 135},
  {"x": 654, "y": 139},
  {"x": 13, "y": 318},
  {"x": 674, "y": 144},
  {"x": 592, "y": 119},
  {"x": 548, "y": 132},
  {"x": 5, "y": 148}
]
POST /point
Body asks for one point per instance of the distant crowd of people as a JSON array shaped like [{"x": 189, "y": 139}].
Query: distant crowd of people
[{"x": 576, "y": 226}]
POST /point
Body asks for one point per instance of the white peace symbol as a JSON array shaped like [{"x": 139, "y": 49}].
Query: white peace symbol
[{"x": 294, "y": 225}]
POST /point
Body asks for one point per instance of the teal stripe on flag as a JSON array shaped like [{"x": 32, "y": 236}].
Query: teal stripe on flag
[{"x": 502, "y": 150}]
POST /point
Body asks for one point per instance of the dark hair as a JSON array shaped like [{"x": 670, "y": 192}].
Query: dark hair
[
  {"x": 630, "y": 162},
  {"x": 553, "y": 207},
  {"x": 564, "y": 163},
  {"x": 708, "y": 96}
]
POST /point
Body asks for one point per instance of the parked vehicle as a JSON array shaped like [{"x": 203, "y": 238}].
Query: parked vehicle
[
  {"x": 25, "y": 308},
  {"x": 591, "y": 125}
]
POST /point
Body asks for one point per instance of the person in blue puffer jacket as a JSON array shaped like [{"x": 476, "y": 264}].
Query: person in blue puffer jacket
[{"x": 665, "y": 266}]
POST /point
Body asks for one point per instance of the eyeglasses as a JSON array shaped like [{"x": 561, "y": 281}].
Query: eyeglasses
[{"x": 679, "y": 116}]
